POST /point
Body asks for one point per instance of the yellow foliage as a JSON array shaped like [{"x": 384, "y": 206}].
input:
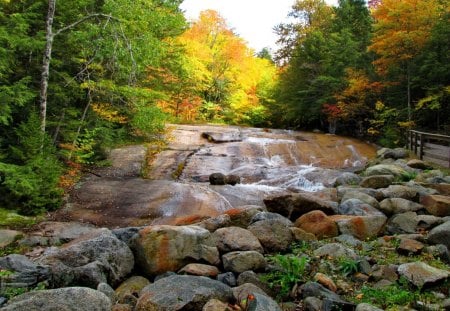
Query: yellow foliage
[{"x": 106, "y": 112}]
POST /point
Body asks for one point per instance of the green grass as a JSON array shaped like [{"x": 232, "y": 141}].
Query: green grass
[{"x": 11, "y": 219}]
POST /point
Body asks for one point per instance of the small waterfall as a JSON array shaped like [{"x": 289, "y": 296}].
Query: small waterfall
[{"x": 356, "y": 159}]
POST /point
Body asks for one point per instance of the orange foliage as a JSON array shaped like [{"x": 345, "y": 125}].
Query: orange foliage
[{"x": 106, "y": 112}]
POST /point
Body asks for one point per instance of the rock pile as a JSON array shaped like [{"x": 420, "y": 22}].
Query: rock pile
[{"x": 375, "y": 231}]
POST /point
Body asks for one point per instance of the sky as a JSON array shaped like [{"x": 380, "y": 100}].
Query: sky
[{"x": 253, "y": 20}]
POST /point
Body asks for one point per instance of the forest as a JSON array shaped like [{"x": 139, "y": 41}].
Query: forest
[{"x": 79, "y": 77}]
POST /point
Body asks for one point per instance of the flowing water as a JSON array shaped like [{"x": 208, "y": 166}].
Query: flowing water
[{"x": 269, "y": 162}]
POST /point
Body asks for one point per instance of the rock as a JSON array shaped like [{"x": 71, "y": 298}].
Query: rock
[
  {"x": 98, "y": 257},
  {"x": 295, "y": 205},
  {"x": 223, "y": 137},
  {"x": 317, "y": 223},
  {"x": 242, "y": 216},
  {"x": 442, "y": 188},
  {"x": 325, "y": 281},
  {"x": 242, "y": 292},
  {"x": 163, "y": 248},
  {"x": 301, "y": 235},
  {"x": 236, "y": 239},
  {"x": 361, "y": 196},
  {"x": 408, "y": 247},
  {"x": 402, "y": 223},
  {"x": 67, "y": 299},
  {"x": 214, "y": 223},
  {"x": 347, "y": 179},
  {"x": 384, "y": 272},
  {"x": 418, "y": 164},
  {"x": 8, "y": 236},
  {"x": 313, "y": 304},
  {"x": 397, "y": 153},
  {"x": 108, "y": 291},
  {"x": 375, "y": 193},
  {"x": 217, "y": 179},
  {"x": 200, "y": 270},
  {"x": 271, "y": 216},
  {"x": 259, "y": 302},
  {"x": 356, "y": 207},
  {"x": 349, "y": 240},
  {"x": 399, "y": 191},
  {"x": 232, "y": 180},
  {"x": 126, "y": 234},
  {"x": 420, "y": 274},
  {"x": 57, "y": 233},
  {"x": 421, "y": 190},
  {"x": 313, "y": 289},
  {"x": 385, "y": 169},
  {"x": 399, "y": 206},
  {"x": 253, "y": 278},
  {"x": 241, "y": 261},
  {"x": 330, "y": 305},
  {"x": 377, "y": 181},
  {"x": 227, "y": 278},
  {"x": 216, "y": 305},
  {"x": 437, "y": 205},
  {"x": 366, "y": 307},
  {"x": 274, "y": 235},
  {"x": 361, "y": 227},
  {"x": 439, "y": 251},
  {"x": 131, "y": 288},
  {"x": 440, "y": 234},
  {"x": 122, "y": 307},
  {"x": 182, "y": 292},
  {"x": 335, "y": 250},
  {"x": 25, "y": 272}
]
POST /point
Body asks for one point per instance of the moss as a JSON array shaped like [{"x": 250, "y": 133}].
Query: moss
[{"x": 11, "y": 219}]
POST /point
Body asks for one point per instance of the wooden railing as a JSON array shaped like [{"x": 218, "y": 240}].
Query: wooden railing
[{"x": 430, "y": 147}]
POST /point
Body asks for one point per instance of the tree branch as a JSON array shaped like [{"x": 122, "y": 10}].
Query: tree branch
[{"x": 76, "y": 23}]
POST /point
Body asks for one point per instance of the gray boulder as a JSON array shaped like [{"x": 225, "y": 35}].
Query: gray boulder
[
  {"x": 61, "y": 299},
  {"x": 236, "y": 239},
  {"x": 262, "y": 303},
  {"x": 399, "y": 191},
  {"x": 239, "y": 262},
  {"x": 335, "y": 250},
  {"x": 25, "y": 272},
  {"x": 396, "y": 153},
  {"x": 89, "y": 260},
  {"x": 399, "y": 206},
  {"x": 357, "y": 207},
  {"x": 347, "y": 178},
  {"x": 313, "y": 289},
  {"x": 385, "y": 169},
  {"x": 274, "y": 235},
  {"x": 420, "y": 274},
  {"x": 364, "y": 197},
  {"x": 440, "y": 234},
  {"x": 402, "y": 223},
  {"x": 182, "y": 292},
  {"x": 270, "y": 216}
]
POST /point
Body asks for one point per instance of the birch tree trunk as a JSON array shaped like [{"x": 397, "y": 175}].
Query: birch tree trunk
[{"x": 46, "y": 64}]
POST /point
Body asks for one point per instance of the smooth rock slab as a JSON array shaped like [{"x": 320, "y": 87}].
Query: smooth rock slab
[
  {"x": 163, "y": 248},
  {"x": 182, "y": 292},
  {"x": 421, "y": 274},
  {"x": 62, "y": 299}
]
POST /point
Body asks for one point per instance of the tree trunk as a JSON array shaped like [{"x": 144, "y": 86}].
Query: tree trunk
[
  {"x": 46, "y": 64},
  {"x": 408, "y": 77}
]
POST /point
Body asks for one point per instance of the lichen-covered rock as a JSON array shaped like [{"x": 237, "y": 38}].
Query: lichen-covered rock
[
  {"x": 163, "y": 248},
  {"x": 241, "y": 261},
  {"x": 273, "y": 235},
  {"x": 98, "y": 257},
  {"x": 236, "y": 239},
  {"x": 131, "y": 287},
  {"x": 418, "y": 164},
  {"x": 182, "y": 292},
  {"x": 302, "y": 235},
  {"x": 361, "y": 227},
  {"x": 399, "y": 191},
  {"x": 67, "y": 299},
  {"x": 385, "y": 169},
  {"x": 399, "y": 206},
  {"x": 437, "y": 205},
  {"x": 317, "y": 223},
  {"x": 420, "y": 274},
  {"x": 377, "y": 181}
]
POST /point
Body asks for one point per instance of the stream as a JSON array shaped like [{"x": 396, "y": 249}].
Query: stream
[{"x": 268, "y": 162}]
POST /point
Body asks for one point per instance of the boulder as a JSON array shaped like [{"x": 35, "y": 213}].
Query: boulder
[
  {"x": 385, "y": 169},
  {"x": 108, "y": 291},
  {"x": 236, "y": 239},
  {"x": 418, "y": 164},
  {"x": 271, "y": 216},
  {"x": 347, "y": 178},
  {"x": 356, "y": 207},
  {"x": 410, "y": 247},
  {"x": 242, "y": 292},
  {"x": 259, "y": 302},
  {"x": 182, "y": 292},
  {"x": 375, "y": 193},
  {"x": 301, "y": 235},
  {"x": 200, "y": 270},
  {"x": 361, "y": 227},
  {"x": 325, "y": 281},
  {"x": 442, "y": 188},
  {"x": 273, "y": 235},
  {"x": 217, "y": 179},
  {"x": 399, "y": 191},
  {"x": 437, "y": 205},
  {"x": 216, "y": 305},
  {"x": 253, "y": 278},
  {"x": 313, "y": 289},
  {"x": 335, "y": 250},
  {"x": 384, "y": 272},
  {"x": 399, "y": 206},
  {"x": 232, "y": 180},
  {"x": 377, "y": 181},
  {"x": 131, "y": 288},
  {"x": 126, "y": 234},
  {"x": 440, "y": 234},
  {"x": 317, "y": 223},
  {"x": 396, "y": 153},
  {"x": 402, "y": 223},
  {"x": 213, "y": 223},
  {"x": 367, "y": 307},
  {"x": 163, "y": 248},
  {"x": 25, "y": 272},
  {"x": 98, "y": 257},
  {"x": 420, "y": 274},
  {"x": 67, "y": 299},
  {"x": 241, "y": 261},
  {"x": 295, "y": 205},
  {"x": 428, "y": 221},
  {"x": 227, "y": 278},
  {"x": 242, "y": 216},
  {"x": 361, "y": 196}
]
